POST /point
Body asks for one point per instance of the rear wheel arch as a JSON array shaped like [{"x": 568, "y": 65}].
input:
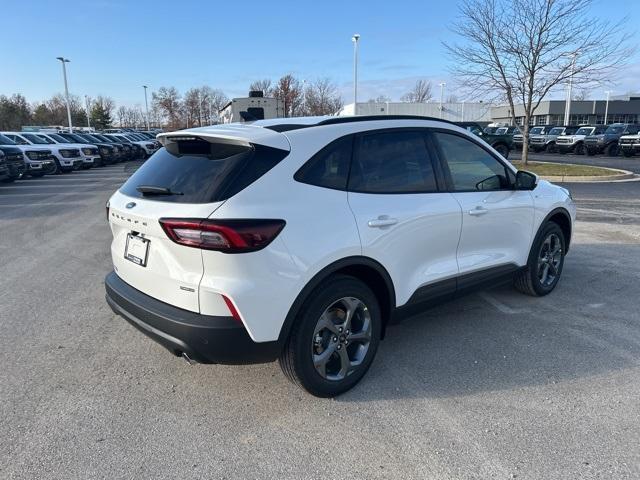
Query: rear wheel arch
[{"x": 365, "y": 269}]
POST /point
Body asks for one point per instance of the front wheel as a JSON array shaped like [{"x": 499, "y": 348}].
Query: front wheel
[
  {"x": 544, "y": 267},
  {"x": 334, "y": 339},
  {"x": 502, "y": 149},
  {"x": 612, "y": 150},
  {"x": 579, "y": 149}
]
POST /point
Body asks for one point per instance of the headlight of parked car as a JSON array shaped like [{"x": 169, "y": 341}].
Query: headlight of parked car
[
  {"x": 87, "y": 151},
  {"x": 32, "y": 155},
  {"x": 67, "y": 153},
  {"x": 149, "y": 145}
]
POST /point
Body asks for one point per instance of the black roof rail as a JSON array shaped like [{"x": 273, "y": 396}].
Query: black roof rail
[
  {"x": 370, "y": 118},
  {"x": 285, "y": 127}
]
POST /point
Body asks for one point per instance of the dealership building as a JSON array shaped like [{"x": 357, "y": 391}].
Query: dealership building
[
  {"x": 621, "y": 109},
  {"x": 454, "y": 112}
]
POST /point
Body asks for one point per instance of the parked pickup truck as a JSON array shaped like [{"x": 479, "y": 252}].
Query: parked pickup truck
[
  {"x": 518, "y": 138},
  {"x": 503, "y": 144},
  {"x": 575, "y": 143},
  {"x": 547, "y": 141},
  {"x": 607, "y": 142},
  {"x": 13, "y": 158},
  {"x": 629, "y": 144}
]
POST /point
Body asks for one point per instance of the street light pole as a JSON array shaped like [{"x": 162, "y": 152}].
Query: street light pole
[
  {"x": 66, "y": 89},
  {"x": 606, "y": 108},
  {"x": 442, "y": 85},
  {"x": 86, "y": 102},
  {"x": 146, "y": 105},
  {"x": 567, "y": 110},
  {"x": 355, "y": 40}
]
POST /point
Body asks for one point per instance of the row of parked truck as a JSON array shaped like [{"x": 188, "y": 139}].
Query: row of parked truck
[
  {"x": 610, "y": 140},
  {"x": 48, "y": 152}
]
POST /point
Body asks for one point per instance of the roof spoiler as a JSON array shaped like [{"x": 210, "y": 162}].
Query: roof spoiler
[{"x": 236, "y": 134}]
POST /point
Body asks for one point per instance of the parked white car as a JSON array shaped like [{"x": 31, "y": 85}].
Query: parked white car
[
  {"x": 38, "y": 161},
  {"x": 66, "y": 158},
  {"x": 148, "y": 146},
  {"x": 90, "y": 153},
  {"x": 301, "y": 239}
]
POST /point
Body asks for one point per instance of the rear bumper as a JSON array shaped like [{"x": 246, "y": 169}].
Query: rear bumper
[{"x": 204, "y": 338}]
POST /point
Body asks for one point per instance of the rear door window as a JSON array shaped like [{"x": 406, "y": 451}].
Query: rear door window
[
  {"x": 392, "y": 162},
  {"x": 202, "y": 172}
]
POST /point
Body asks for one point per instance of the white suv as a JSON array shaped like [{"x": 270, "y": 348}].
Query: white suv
[{"x": 301, "y": 239}]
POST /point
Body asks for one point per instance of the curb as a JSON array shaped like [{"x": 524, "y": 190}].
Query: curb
[{"x": 618, "y": 175}]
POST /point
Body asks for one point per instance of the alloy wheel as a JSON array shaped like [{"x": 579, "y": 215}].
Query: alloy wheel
[
  {"x": 341, "y": 338},
  {"x": 549, "y": 260}
]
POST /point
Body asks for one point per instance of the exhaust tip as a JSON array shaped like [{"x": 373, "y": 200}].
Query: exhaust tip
[{"x": 187, "y": 359}]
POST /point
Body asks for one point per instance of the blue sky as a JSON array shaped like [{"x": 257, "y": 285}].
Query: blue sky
[{"x": 115, "y": 46}]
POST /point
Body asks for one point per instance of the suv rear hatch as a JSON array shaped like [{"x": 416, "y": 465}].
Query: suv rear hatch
[{"x": 196, "y": 172}]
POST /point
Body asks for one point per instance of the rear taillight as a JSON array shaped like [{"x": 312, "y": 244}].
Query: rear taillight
[{"x": 229, "y": 236}]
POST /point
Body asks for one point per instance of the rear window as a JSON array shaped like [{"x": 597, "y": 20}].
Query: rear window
[{"x": 202, "y": 172}]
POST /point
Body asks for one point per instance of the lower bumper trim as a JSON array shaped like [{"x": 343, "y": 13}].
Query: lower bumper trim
[{"x": 203, "y": 338}]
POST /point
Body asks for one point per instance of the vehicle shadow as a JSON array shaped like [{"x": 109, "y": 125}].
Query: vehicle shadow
[{"x": 500, "y": 339}]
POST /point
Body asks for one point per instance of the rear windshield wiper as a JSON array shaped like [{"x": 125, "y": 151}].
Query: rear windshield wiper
[{"x": 155, "y": 190}]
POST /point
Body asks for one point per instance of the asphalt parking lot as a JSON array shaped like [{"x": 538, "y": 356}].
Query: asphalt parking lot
[{"x": 494, "y": 385}]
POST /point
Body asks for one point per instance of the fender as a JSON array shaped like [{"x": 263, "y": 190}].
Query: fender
[
  {"x": 552, "y": 213},
  {"x": 342, "y": 264}
]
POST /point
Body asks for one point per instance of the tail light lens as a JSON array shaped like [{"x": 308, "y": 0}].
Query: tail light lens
[{"x": 229, "y": 236}]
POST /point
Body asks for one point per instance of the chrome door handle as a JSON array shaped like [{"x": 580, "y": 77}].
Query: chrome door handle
[
  {"x": 478, "y": 211},
  {"x": 382, "y": 221}
]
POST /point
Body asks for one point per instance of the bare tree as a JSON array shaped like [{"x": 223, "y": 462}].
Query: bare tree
[
  {"x": 167, "y": 101},
  {"x": 263, "y": 85},
  {"x": 289, "y": 90},
  {"x": 321, "y": 98},
  {"x": 193, "y": 107},
  {"x": 522, "y": 49},
  {"x": 420, "y": 93}
]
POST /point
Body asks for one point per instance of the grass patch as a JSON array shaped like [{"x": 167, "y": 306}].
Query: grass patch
[{"x": 562, "y": 169}]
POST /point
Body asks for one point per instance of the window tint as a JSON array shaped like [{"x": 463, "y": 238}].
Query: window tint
[
  {"x": 392, "y": 162},
  {"x": 472, "y": 167},
  {"x": 202, "y": 172},
  {"x": 330, "y": 166}
]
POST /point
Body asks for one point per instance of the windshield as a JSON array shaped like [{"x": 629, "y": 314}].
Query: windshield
[
  {"x": 6, "y": 140},
  {"x": 57, "y": 137},
  {"x": 490, "y": 129},
  {"x": 585, "y": 131},
  {"x": 614, "y": 129},
  {"x": 537, "y": 130},
  {"x": 91, "y": 138},
  {"x": 556, "y": 131},
  {"x": 34, "y": 139},
  {"x": 501, "y": 131},
  {"x": 46, "y": 139}
]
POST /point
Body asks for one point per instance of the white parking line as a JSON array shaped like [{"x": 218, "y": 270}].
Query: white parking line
[{"x": 83, "y": 192}]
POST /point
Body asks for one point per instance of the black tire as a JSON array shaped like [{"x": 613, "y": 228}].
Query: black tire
[
  {"x": 9, "y": 180},
  {"x": 579, "y": 149},
  {"x": 502, "y": 149},
  {"x": 550, "y": 148},
  {"x": 627, "y": 153},
  {"x": 296, "y": 359},
  {"x": 528, "y": 280},
  {"x": 590, "y": 152},
  {"x": 612, "y": 150}
]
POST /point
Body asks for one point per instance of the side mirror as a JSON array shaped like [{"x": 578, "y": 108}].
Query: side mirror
[{"x": 526, "y": 180}]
